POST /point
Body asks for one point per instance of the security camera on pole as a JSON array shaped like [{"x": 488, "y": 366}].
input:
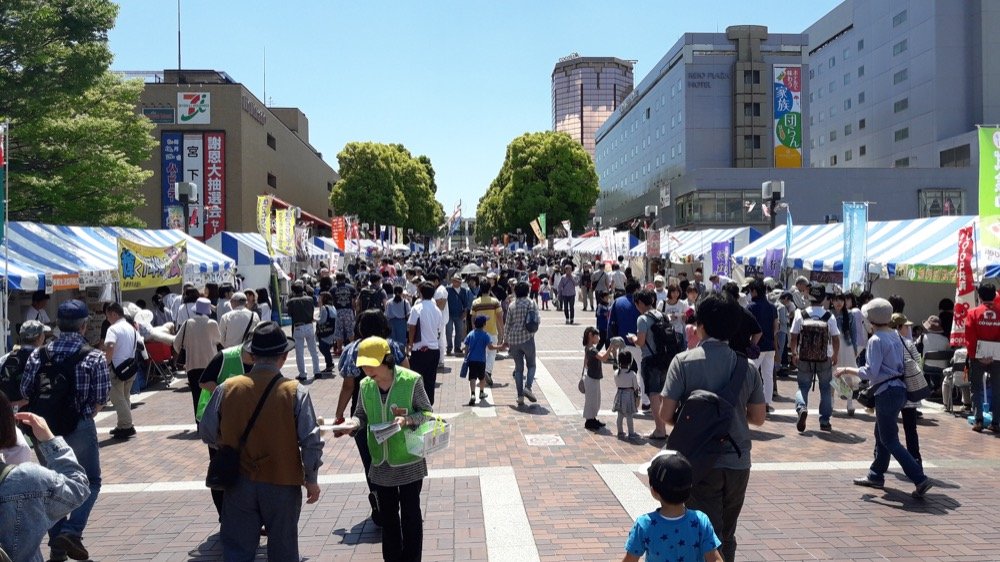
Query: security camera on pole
[
  {"x": 771, "y": 192},
  {"x": 187, "y": 194}
]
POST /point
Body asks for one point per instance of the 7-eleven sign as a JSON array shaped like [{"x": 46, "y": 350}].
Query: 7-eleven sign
[{"x": 194, "y": 108}]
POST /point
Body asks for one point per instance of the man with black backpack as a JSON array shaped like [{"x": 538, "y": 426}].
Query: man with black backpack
[
  {"x": 67, "y": 383},
  {"x": 30, "y": 336},
  {"x": 719, "y": 393},
  {"x": 815, "y": 347},
  {"x": 659, "y": 344}
]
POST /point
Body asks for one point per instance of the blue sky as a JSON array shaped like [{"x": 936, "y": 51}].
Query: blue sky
[{"x": 455, "y": 80}]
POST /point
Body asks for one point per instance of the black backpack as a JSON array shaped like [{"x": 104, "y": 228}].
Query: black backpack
[
  {"x": 10, "y": 372},
  {"x": 667, "y": 343},
  {"x": 703, "y": 421},
  {"x": 54, "y": 394},
  {"x": 371, "y": 297}
]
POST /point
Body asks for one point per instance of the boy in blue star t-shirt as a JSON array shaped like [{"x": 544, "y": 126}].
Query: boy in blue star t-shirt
[
  {"x": 672, "y": 533},
  {"x": 476, "y": 344}
]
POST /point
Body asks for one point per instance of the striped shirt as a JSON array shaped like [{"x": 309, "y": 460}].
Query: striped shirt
[
  {"x": 92, "y": 377},
  {"x": 517, "y": 314}
]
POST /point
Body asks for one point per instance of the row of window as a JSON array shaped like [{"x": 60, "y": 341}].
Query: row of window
[{"x": 897, "y": 20}]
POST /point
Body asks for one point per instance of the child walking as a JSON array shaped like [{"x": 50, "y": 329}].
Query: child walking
[
  {"x": 476, "y": 344},
  {"x": 603, "y": 315},
  {"x": 672, "y": 532},
  {"x": 546, "y": 294},
  {"x": 628, "y": 394},
  {"x": 592, "y": 375}
]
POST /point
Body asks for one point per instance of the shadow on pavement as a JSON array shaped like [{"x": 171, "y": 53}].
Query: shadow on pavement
[
  {"x": 838, "y": 437},
  {"x": 757, "y": 435},
  {"x": 932, "y": 504},
  {"x": 534, "y": 409},
  {"x": 364, "y": 532},
  {"x": 185, "y": 436}
]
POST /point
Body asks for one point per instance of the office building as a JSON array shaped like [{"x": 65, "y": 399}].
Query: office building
[
  {"x": 585, "y": 91},
  {"x": 215, "y": 133},
  {"x": 902, "y": 83}
]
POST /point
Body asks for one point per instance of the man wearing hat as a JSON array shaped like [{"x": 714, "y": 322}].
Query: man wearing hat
[
  {"x": 30, "y": 336},
  {"x": 282, "y": 453},
  {"x": 199, "y": 337},
  {"x": 459, "y": 305},
  {"x": 39, "y": 300},
  {"x": 396, "y": 474},
  {"x": 92, "y": 384},
  {"x": 809, "y": 339}
]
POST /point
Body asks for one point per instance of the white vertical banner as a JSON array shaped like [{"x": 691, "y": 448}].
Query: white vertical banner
[
  {"x": 608, "y": 245},
  {"x": 622, "y": 239},
  {"x": 194, "y": 172}
]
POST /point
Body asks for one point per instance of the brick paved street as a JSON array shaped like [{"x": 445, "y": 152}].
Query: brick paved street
[{"x": 494, "y": 496}]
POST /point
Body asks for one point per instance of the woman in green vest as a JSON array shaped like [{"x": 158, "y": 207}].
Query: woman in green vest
[{"x": 392, "y": 394}]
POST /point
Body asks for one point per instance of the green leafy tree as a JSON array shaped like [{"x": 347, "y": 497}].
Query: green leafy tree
[
  {"x": 79, "y": 163},
  {"x": 544, "y": 172},
  {"x": 384, "y": 183},
  {"x": 50, "y": 50},
  {"x": 430, "y": 171}
]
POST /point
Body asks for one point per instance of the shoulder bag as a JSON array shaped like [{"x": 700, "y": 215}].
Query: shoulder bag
[
  {"x": 182, "y": 354},
  {"x": 129, "y": 367},
  {"x": 224, "y": 468},
  {"x": 916, "y": 384}
]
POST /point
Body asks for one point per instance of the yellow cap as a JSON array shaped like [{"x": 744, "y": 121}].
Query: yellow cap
[{"x": 371, "y": 352}]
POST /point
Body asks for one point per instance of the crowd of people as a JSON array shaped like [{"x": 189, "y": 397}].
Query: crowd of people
[{"x": 385, "y": 327}]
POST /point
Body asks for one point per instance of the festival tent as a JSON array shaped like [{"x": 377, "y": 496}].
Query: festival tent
[
  {"x": 204, "y": 265},
  {"x": 891, "y": 244},
  {"x": 691, "y": 245},
  {"x": 250, "y": 252}
]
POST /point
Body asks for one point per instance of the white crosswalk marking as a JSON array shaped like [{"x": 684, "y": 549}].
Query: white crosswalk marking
[
  {"x": 508, "y": 532},
  {"x": 558, "y": 400}
]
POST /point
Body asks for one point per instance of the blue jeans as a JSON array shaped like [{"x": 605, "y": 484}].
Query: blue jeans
[
  {"x": 83, "y": 441},
  {"x": 455, "y": 333},
  {"x": 888, "y": 404},
  {"x": 305, "y": 336},
  {"x": 824, "y": 372},
  {"x": 523, "y": 354}
]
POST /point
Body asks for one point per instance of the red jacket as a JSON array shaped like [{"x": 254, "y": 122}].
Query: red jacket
[{"x": 983, "y": 323}]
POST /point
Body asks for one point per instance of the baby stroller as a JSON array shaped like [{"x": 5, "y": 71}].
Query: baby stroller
[{"x": 160, "y": 367}]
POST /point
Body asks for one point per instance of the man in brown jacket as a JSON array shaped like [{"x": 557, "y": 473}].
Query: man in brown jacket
[{"x": 282, "y": 452}]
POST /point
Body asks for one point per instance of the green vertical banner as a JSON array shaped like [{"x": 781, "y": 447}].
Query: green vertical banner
[
  {"x": 541, "y": 223},
  {"x": 989, "y": 195}
]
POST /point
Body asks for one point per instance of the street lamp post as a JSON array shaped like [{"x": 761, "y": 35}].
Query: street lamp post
[{"x": 771, "y": 193}]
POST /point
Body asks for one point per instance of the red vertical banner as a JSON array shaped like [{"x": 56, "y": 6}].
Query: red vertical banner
[
  {"x": 215, "y": 183},
  {"x": 965, "y": 285},
  {"x": 338, "y": 228}
]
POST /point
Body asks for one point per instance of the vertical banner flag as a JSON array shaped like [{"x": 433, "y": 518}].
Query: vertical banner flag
[
  {"x": 720, "y": 258},
  {"x": 543, "y": 225},
  {"x": 264, "y": 221},
  {"x": 608, "y": 245},
  {"x": 338, "y": 229},
  {"x": 622, "y": 245},
  {"x": 537, "y": 229},
  {"x": 281, "y": 220},
  {"x": 215, "y": 183},
  {"x": 772, "y": 262},
  {"x": 142, "y": 267},
  {"x": 787, "y": 116},
  {"x": 290, "y": 232},
  {"x": 965, "y": 285},
  {"x": 855, "y": 244},
  {"x": 172, "y": 162},
  {"x": 3, "y": 179},
  {"x": 989, "y": 195},
  {"x": 788, "y": 233},
  {"x": 652, "y": 243},
  {"x": 194, "y": 172}
]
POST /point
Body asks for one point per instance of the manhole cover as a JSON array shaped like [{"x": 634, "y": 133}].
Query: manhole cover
[{"x": 544, "y": 440}]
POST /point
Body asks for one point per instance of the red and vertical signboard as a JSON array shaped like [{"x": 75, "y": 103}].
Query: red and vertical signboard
[
  {"x": 965, "y": 285},
  {"x": 338, "y": 228},
  {"x": 215, "y": 183}
]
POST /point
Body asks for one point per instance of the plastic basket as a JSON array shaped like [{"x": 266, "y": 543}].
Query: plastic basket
[{"x": 429, "y": 438}]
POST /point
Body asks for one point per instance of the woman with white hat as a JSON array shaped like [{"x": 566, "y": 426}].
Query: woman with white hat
[
  {"x": 199, "y": 339},
  {"x": 884, "y": 370}
]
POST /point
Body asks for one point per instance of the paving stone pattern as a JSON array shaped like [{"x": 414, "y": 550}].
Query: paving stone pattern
[{"x": 793, "y": 512}]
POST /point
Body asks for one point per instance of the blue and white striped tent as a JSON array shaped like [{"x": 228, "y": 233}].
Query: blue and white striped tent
[
  {"x": 248, "y": 248},
  {"x": 687, "y": 245},
  {"x": 930, "y": 241},
  {"x": 39, "y": 250}
]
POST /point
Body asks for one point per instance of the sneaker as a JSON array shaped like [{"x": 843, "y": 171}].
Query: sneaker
[
  {"x": 591, "y": 425},
  {"x": 482, "y": 395},
  {"x": 58, "y": 558},
  {"x": 520, "y": 401},
  {"x": 472, "y": 401},
  {"x": 654, "y": 437},
  {"x": 801, "y": 424},
  {"x": 530, "y": 395},
  {"x": 300, "y": 379},
  {"x": 634, "y": 437},
  {"x": 600, "y": 423},
  {"x": 72, "y": 546},
  {"x": 770, "y": 409},
  {"x": 850, "y": 412},
  {"x": 622, "y": 436},
  {"x": 869, "y": 483},
  {"x": 922, "y": 488},
  {"x": 825, "y": 426},
  {"x": 978, "y": 426},
  {"x": 646, "y": 407}
]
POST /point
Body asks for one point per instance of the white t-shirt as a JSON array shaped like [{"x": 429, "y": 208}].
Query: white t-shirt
[
  {"x": 430, "y": 318},
  {"x": 37, "y": 314},
  {"x": 817, "y": 312},
  {"x": 674, "y": 313},
  {"x": 661, "y": 295},
  {"x": 124, "y": 338}
]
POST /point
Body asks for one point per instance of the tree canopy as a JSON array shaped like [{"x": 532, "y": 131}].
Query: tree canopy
[
  {"x": 80, "y": 162},
  {"x": 544, "y": 172},
  {"x": 386, "y": 184}
]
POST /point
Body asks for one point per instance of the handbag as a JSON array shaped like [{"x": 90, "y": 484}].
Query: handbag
[
  {"x": 129, "y": 367},
  {"x": 182, "y": 354},
  {"x": 916, "y": 384},
  {"x": 866, "y": 392},
  {"x": 224, "y": 468}
]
